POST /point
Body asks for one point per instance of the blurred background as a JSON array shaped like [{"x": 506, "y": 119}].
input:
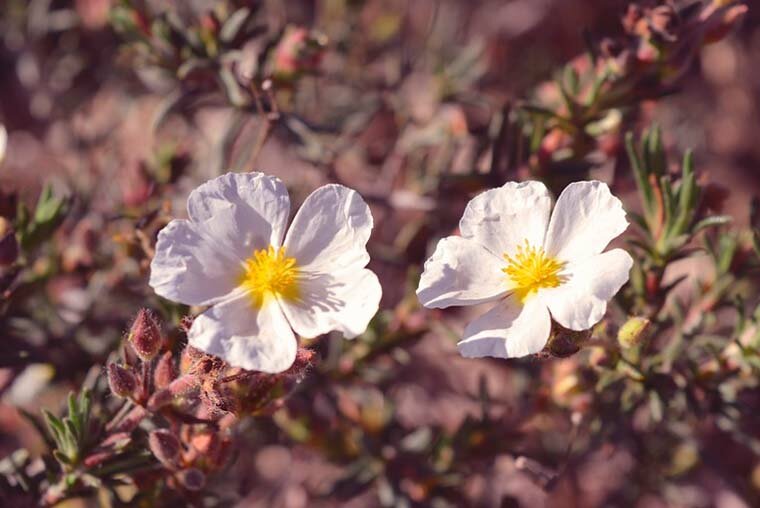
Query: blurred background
[{"x": 114, "y": 111}]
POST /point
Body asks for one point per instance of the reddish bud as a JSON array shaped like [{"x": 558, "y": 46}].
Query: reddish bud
[
  {"x": 160, "y": 399},
  {"x": 121, "y": 381},
  {"x": 165, "y": 447},
  {"x": 297, "y": 52},
  {"x": 165, "y": 371},
  {"x": 145, "y": 335}
]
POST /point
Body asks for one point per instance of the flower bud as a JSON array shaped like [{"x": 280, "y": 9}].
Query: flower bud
[
  {"x": 633, "y": 332},
  {"x": 298, "y": 51},
  {"x": 165, "y": 447},
  {"x": 160, "y": 399},
  {"x": 192, "y": 478},
  {"x": 564, "y": 342},
  {"x": 145, "y": 335},
  {"x": 165, "y": 371},
  {"x": 121, "y": 381}
]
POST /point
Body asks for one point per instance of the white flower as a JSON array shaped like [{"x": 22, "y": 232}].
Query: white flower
[
  {"x": 535, "y": 267},
  {"x": 231, "y": 255}
]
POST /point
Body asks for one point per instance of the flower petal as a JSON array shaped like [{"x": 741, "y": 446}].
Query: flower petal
[
  {"x": 585, "y": 220},
  {"x": 461, "y": 272},
  {"x": 244, "y": 336},
  {"x": 330, "y": 230},
  {"x": 509, "y": 330},
  {"x": 503, "y": 218},
  {"x": 242, "y": 211},
  {"x": 581, "y": 301},
  {"x": 326, "y": 303},
  {"x": 189, "y": 268}
]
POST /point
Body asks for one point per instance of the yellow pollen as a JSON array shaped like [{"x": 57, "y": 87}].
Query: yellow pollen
[
  {"x": 270, "y": 272},
  {"x": 530, "y": 269}
]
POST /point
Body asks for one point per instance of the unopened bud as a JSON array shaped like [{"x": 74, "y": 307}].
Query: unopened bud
[
  {"x": 165, "y": 371},
  {"x": 298, "y": 51},
  {"x": 8, "y": 243},
  {"x": 160, "y": 399},
  {"x": 564, "y": 342},
  {"x": 192, "y": 478},
  {"x": 165, "y": 447},
  {"x": 145, "y": 335},
  {"x": 121, "y": 381},
  {"x": 633, "y": 332}
]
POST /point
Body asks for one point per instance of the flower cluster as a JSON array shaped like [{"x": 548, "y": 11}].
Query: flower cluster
[{"x": 231, "y": 255}]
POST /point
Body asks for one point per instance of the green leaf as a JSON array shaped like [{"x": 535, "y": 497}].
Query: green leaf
[
  {"x": 74, "y": 416},
  {"x": 234, "y": 24},
  {"x": 727, "y": 249},
  {"x": 55, "y": 426},
  {"x": 668, "y": 202},
  {"x": 607, "y": 379},
  {"x": 641, "y": 176},
  {"x": 687, "y": 195},
  {"x": 571, "y": 80},
  {"x": 655, "y": 154},
  {"x": 232, "y": 88},
  {"x": 708, "y": 222},
  {"x": 62, "y": 458},
  {"x": 72, "y": 443},
  {"x": 85, "y": 407},
  {"x": 656, "y": 406}
]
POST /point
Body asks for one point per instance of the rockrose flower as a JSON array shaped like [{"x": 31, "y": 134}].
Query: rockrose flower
[
  {"x": 534, "y": 264},
  {"x": 261, "y": 283}
]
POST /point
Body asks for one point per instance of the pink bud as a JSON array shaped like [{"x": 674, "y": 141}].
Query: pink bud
[
  {"x": 121, "y": 381},
  {"x": 160, "y": 399},
  {"x": 165, "y": 447},
  {"x": 165, "y": 371},
  {"x": 145, "y": 335}
]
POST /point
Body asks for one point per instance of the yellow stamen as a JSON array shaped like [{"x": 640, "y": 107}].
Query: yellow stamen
[
  {"x": 530, "y": 269},
  {"x": 270, "y": 272}
]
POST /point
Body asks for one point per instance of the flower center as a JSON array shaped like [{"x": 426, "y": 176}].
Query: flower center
[
  {"x": 530, "y": 269},
  {"x": 270, "y": 272}
]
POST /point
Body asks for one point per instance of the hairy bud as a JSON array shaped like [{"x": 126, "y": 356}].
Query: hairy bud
[
  {"x": 160, "y": 399},
  {"x": 564, "y": 342},
  {"x": 145, "y": 335},
  {"x": 165, "y": 371},
  {"x": 121, "y": 381},
  {"x": 165, "y": 447}
]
